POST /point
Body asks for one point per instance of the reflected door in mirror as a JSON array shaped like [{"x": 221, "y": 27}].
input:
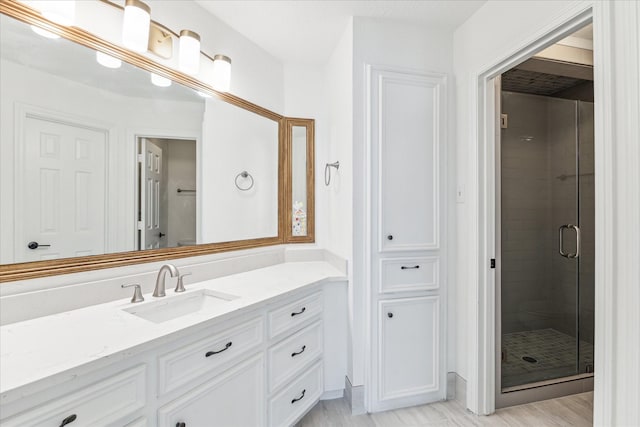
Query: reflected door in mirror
[{"x": 61, "y": 182}]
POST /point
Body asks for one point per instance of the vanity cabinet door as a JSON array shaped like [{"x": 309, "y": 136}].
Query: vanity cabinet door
[
  {"x": 233, "y": 399},
  {"x": 409, "y": 348}
]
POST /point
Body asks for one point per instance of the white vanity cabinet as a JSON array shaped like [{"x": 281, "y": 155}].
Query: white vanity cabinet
[
  {"x": 233, "y": 399},
  {"x": 112, "y": 400},
  {"x": 295, "y": 355},
  {"x": 262, "y": 366},
  {"x": 407, "y": 123}
]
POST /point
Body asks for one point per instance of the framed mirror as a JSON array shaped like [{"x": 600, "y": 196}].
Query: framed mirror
[
  {"x": 300, "y": 186},
  {"x": 111, "y": 165}
]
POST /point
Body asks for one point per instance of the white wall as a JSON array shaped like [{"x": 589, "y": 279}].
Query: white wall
[
  {"x": 235, "y": 140},
  {"x": 339, "y": 213},
  {"x": 123, "y": 116},
  {"x": 493, "y": 34},
  {"x": 401, "y": 45}
]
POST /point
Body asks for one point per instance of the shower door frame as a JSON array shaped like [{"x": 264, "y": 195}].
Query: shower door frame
[
  {"x": 481, "y": 379},
  {"x": 538, "y": 390}
]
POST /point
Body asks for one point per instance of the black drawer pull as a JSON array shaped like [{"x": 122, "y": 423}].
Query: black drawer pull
[
  {"x": 294, "y": 354},
  {"x": 299, "y": 312},
  {"x": 404, "y": 267},
  {"x": 226, "y": 347},
  {"x": 299, "y": 398},
  {"x": 36, "y": 245},
  {"x": 71, "y": 418},
  {"x": 181, "y": 424}
]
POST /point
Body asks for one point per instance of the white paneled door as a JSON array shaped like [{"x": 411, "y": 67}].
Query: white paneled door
[
  {"x": 152, "y": 183},
  {"x": 407, "y": 123},
  {"x": 63, "y": 189}
]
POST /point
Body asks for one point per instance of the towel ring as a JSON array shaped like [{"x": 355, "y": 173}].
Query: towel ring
[
  {"x": 327, "y": 172},
  {"x": 244, "y": 174}
]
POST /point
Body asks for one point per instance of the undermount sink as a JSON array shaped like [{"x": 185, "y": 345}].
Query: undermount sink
[{"x": 170, "y": 308}]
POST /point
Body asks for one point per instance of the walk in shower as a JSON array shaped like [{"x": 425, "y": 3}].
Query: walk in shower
[{"x": 546, "y": 231}]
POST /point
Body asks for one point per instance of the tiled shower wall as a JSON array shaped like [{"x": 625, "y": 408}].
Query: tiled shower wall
[
  {"x": 538, "y": 168},
  {"x": 526, "y": 236}
]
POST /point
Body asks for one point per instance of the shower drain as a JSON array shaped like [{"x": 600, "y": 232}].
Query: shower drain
[{"x": 529, "y": 359}]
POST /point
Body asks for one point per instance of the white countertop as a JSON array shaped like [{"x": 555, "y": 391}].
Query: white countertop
[{"x": 43, "y": 349}]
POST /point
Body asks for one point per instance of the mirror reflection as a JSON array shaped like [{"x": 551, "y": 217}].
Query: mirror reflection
[
  {"x": 98, "y": 156},
  {"x": 299, "y": 180}
]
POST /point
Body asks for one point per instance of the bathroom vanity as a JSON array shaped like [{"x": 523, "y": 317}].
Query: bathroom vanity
[{"x": 248, "y": 349}]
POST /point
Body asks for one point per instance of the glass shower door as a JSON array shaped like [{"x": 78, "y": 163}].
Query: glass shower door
[{"x": 540, "y": 231}]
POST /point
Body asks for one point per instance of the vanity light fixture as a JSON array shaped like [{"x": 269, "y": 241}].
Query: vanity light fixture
[
  {"x": 189, "y": 55},
  {"x": 61, "y": 12},
  {"x": 221, "y": 80},
  {"x": 160, "y": 81},
  {"x": 107, "y": 60},
  {"x": 44, "y": 33},
  {"x": 135, "y": 25}
]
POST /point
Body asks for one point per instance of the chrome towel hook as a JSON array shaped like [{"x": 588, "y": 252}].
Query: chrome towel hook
[
  {"x": 327, "y": 172},
  {"x": 245, "y": 175}
]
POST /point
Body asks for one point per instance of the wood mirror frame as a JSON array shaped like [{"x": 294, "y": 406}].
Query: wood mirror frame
[
  {"x": 309, "y": 125},
  {"x": 31, "y": 270}
]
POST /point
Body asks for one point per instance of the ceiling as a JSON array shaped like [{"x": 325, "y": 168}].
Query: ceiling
[{"x": 307, "y": 31}]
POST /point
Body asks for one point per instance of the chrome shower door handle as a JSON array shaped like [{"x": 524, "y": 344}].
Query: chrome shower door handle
[
  {"x": 561, "y": 240},
  {"x": 561, "y": 229},
  {"x": 577, "y": 230}
]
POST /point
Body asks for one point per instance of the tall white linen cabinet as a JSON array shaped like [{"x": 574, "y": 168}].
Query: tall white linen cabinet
[{"x": 407, "y": 126}]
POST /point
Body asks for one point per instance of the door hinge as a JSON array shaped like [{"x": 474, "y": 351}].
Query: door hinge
[
  {"x": 493, "y": 263},
  {"x": 504, "y": 121},
  {"x": 140, "y": 225},
  {"x": 140, "y": 158}
]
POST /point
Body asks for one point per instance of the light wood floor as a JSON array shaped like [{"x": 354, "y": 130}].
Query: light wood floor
[{"x": 574, "y": 411}]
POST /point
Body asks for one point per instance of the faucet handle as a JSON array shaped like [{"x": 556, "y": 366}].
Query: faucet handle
[
  {"x": 137, "y": 292},
  {"x": 180, "y": 284}
]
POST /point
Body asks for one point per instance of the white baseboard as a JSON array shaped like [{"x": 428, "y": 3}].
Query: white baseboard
[{"x": 355, "y": 397}]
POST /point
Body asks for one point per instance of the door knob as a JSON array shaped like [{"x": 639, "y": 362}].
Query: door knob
[
  {"x": 36, "y": 245},
  {"x": 161, "y": 234}
]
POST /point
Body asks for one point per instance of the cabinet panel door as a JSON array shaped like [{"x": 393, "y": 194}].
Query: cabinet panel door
[
  {"x": 234, "y": 399},
  {"x": 407, "y": 126},
  {"x": 409, "y": 347}
]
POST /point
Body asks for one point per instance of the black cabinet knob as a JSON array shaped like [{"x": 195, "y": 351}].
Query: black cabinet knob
[
  {"x": 161, "y": 234},
  {"x": 390, "y": 237},
  {"x": 389, "y": 315},
  {"x": 181, "y": 424}
]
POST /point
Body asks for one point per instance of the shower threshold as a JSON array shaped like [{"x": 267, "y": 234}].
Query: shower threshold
[{"x": 546, "y": 383}]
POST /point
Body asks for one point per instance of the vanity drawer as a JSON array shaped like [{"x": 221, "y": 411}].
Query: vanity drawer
[
  {"x": 289, "y": 356},
  {"x": 185, "y": 364},
  {"x": 409, "y": 274},
  {"x": 104, "y": 403},
  {"x": 295, "y": 400},
  {"x": 294, "y": 314}
]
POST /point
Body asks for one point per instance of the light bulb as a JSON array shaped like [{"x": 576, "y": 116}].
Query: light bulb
[
  {"x": 189, "y": 55},
  {"x": 61, "y": 12},
  {"x": 204, "y": 95},
  {"x": 107, "y": 60},
  {"x": 135, "y": 25},
  {"x": 44, "y": 33},
  {"x": 160, "y": 81},
  {"x": 221, "y": 80}
]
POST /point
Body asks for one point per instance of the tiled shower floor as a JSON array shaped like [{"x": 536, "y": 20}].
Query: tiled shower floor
[{"x": 554, "y": 351}]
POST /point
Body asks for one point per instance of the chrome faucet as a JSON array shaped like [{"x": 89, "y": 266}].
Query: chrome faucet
[{"x": 160, "y": 288}]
